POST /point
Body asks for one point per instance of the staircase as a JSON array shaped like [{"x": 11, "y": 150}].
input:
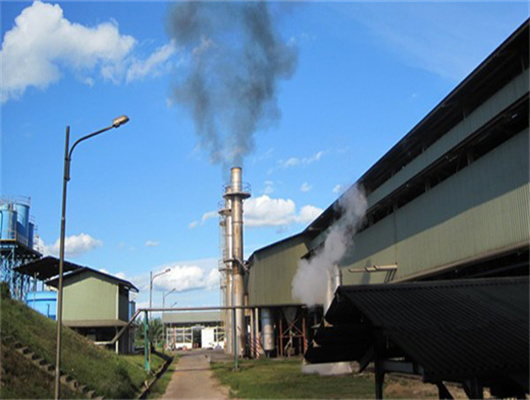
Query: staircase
[{"x": 43, "y": 365}]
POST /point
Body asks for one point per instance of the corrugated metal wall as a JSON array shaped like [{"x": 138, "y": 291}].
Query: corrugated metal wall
[
  {"x": 90, "y": 298},
  {"x": 482, "y": 208},
  {"x": 272, "y": 272},
  {"x": 508, "y": 95}
]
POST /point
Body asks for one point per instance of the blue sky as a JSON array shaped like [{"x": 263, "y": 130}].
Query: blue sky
[{"x": 144, "y": 197}]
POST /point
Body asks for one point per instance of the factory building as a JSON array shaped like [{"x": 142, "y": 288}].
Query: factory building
[
  {"x": 449, "y": 202},
  {"x": 191, "y": 330},
  {"x": 95, "y": 304}
]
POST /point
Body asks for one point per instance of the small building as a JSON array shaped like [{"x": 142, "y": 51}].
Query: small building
[
  {"x": 95, "y": 304},
  {"x": 189, "y": 330}
]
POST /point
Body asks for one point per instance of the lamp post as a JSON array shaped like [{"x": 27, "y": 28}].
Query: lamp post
[
  {"x": 117, "y": 122},
  {"x": 151, "y": 284},
  {"x": 165, "y": 295},
  {"x": 147, "y": 361}
]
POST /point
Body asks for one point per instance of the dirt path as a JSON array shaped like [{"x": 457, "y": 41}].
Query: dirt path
[{"x": 193, "y": 379}]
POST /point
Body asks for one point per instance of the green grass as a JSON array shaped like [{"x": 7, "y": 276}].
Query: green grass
[
  {"x": 160, "y": 386},
  {"x": 110, "y": 375},
  {"x": 139, "y": 360},
  {"x": 283, "y": 379},
  {"x": 23, "y": 380}
]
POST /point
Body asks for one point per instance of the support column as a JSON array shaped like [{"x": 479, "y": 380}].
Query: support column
[{"x": 146, "y": 342}]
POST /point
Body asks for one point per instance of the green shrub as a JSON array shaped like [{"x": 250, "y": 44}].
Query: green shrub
[{"x": 5, "y": 293}]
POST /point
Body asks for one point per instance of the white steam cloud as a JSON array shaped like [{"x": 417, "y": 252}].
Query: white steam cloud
[{"x": 310, "y": 283}]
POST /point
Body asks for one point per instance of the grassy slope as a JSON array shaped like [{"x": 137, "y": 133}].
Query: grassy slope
[
  {"x": 21, "y": 379},
  {"x": 110, "y": 375}
]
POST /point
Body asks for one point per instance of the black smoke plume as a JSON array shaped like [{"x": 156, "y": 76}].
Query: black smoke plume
[{"x": 234, "y": 60}]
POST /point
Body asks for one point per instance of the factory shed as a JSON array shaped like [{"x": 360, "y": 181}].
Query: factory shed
[
  {"x": 283, "y": 318},
  {"x": 95, "y": 304},
  {"x": 473, "y": 332},
  {"x": 450, "y": 199},
  {"x": 278, "y": 260},
  {"x": 187, "y": 330}
]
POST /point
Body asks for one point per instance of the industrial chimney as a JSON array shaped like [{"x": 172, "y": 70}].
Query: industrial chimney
[{"x": 234, "y": 195}]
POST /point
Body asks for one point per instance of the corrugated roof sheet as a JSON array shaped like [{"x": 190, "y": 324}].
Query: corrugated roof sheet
[
  {"x": 454, "y": 329},
  {"x": 55, "y": 282},
  {"x": 46, "y": 267}
]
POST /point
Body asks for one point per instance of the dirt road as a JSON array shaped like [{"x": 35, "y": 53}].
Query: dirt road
[{"x": 193, "y": 379}]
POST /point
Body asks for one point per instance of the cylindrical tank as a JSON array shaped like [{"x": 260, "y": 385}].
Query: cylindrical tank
[
  {"x": 31, "y": 231},
  {"x": 22, "y": 222},
  {"x": 8, "y": 223},
  {"x": 44, "y": 302},
  {"x": 267, "y": 329}
]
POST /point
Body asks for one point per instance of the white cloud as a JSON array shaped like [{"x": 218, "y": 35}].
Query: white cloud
[
  {"x": 306, "y": 187},
  {"x": 152, "y": 243},
  {"x": 264, "y": 211},
  {"x": 269, "y": 188},
  {"x": 185, "y": 277},
  {"x": 75, "y": 245},
  {"x": 154, "y": 65},
  {"x": 42, "y": 40},
  {"x": 205, "y": 217},
  {"x": 121, "y": 275},
  {"x": 295, "y": 161},
  {"x": 337, "y": 189},
  {"x": 208, "y": 215},
  {"x": 308, "y": 214}
]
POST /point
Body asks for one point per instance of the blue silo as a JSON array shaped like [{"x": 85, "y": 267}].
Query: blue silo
[
  {"x": 8, "y": 223},
  {"x": 22, "y": 211},
  {"x": 31, "y": 232},
  {"x": 44, "y": 302}
]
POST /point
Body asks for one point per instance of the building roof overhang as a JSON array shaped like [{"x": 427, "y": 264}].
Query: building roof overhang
[{"x": 460, "y": 331}]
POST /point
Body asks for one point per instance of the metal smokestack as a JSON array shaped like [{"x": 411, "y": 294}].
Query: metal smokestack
[
  {"x": 236, "y": 194},
  {"x": 225, "y": 222}
]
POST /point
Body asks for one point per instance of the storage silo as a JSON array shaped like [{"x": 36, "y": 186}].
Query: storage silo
[
  {"x": 31, "y": 233},
  {"x": 44, "y": 302},
  {"x": 22, "y": 211},
  {"x": 8, "y": 223}
]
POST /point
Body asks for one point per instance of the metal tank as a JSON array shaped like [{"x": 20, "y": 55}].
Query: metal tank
[
  {"x": 267, "y": 329},
  {"x": 8, "y": 223},
  {"x": 44, "y": 302},
  {"x": 22, "y": 211},
  {"x": 31, "y": 233}
]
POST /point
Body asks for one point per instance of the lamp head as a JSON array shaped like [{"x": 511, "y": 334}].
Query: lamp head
[{"x": 117, "y": 122}]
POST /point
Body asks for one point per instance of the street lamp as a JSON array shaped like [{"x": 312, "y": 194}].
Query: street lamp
[
  {"x": 151, "y": 284},
  {"x": 147, "y": 361},
  {"x": 116, "y": 123},
  {"x": 165, "y": 295}
]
